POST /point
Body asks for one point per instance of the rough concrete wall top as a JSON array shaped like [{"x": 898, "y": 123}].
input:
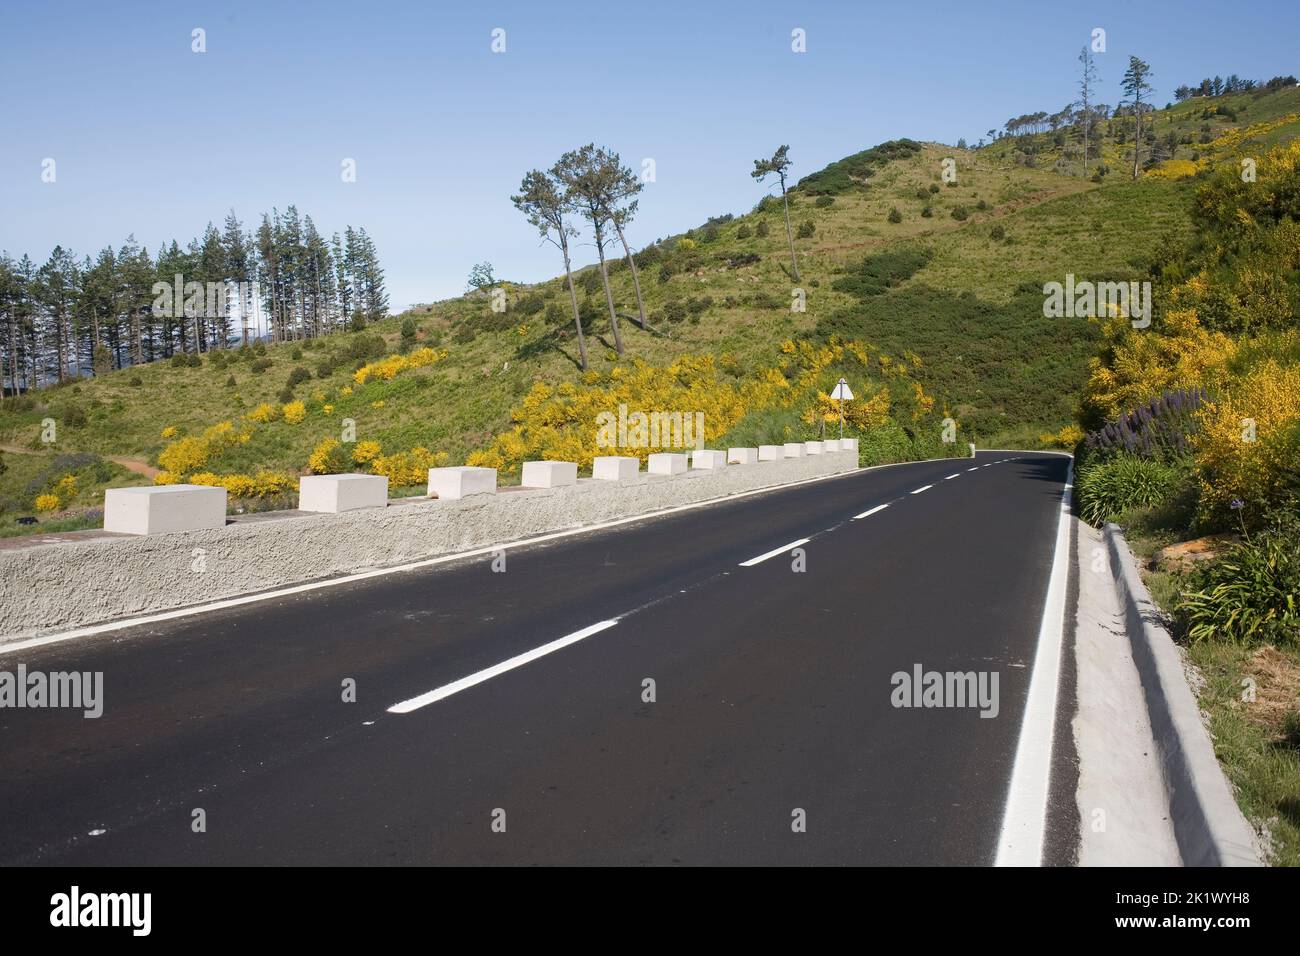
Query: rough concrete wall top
[{"x": 55, "y": 587}]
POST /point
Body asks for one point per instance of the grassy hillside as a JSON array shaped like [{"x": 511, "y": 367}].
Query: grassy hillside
[{"x": 938, "y": 284}]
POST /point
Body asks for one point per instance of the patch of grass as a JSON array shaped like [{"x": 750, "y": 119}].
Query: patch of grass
[{"x": 1256, "y": 741}]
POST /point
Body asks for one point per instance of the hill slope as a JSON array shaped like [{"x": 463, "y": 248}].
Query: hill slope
[{"x": 943, "y": 312}]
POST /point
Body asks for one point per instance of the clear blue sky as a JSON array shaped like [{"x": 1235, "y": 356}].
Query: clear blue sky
[{"x": 155, "y": 140}]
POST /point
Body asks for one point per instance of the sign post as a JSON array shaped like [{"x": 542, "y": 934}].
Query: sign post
[{"x": 843, "y": 393}]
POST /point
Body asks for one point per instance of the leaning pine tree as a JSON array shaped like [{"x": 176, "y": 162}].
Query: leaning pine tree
[
  {"x": 621, "y": 186},
  {"x": 779, "y": 164},
  {"x": 545, "y": 204}
]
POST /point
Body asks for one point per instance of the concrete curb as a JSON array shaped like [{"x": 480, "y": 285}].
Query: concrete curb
[{"x": 1208, "y": 824}]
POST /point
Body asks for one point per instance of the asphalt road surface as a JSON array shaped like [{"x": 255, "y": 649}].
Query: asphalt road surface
[{"x": 478, "y": 736}]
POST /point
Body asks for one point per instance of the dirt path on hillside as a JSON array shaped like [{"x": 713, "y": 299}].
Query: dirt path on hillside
[{"x": 137, "y": 465}]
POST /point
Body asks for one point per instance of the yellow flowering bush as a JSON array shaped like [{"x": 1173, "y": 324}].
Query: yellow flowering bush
[
  {"x": 265, "y": 484},
  {"x": 1248, "y": 443},
  {"x": 66, "y": 489},
  {"x": 266, "y": 412},
  {"x": 1174, "y": 169},
  {"x": 365, "y": 452},
  {"x": 408, "y": 467},
  {"x": 193, "y": 451},
  {"x": 392, "y": 366},
  {"x": 1139, "y": 364},
  {"x": 1067, "y": 437},
  {"x": 328, "y": 458},
  {"x": 294, "y": 412},
  {"x": 47, "y": 503},
  {"x": 614, "y": 413},
  {"x": 169, "y": 431}
]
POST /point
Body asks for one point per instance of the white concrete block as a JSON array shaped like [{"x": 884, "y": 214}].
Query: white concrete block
[
  {"x": 742, "y": 456},
  {"x": 335, "y": 493},
  {"x": 667, "y": 463},
  {"x": 549, "y": 474},
  {"x": 163, "y": 508},
  {"x": 708, "y": 458},
  {"x": 462, "y": 481},
  {"x": 813, "y": 447},
  {"x": 615, "y": 467},
  {"x": 849, "y": 444},
  {"x": 831, "y": 444},
  {"x": 795, "y": 449},
  {"x": 771, "y": 452}
]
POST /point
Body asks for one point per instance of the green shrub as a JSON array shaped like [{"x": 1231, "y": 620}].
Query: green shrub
[
  {"x": 324, "y": 368},
  {"x": 762, "y": 229},
  {"x": 847, "y": 173},
  {"x": 75, "y": 416},
  {"x": 959, "y": 213},
  {"x": 824, "y": 201},
  {"x": 1108, "y": 488},
  {"x": 934, "y": 188},
  {"x": 1252, "y": 594},
  {"x": 259, "y": 366},
  {"x": 806, "y": 229},
  {"x": 743, "y": 231},
  {"x": 926, "y": 212},
  {"x": 135, "y": 381},
  {"x": 997, "y": 233},
  {"x": 884, "y": 269},
  {"x": 895, "y": 215},
  {"x": 674, "y": 311},
  {"x": 298, "y": 376},
  {"x": 230, "y": 382},
  {"x": 409, "y": 332}
]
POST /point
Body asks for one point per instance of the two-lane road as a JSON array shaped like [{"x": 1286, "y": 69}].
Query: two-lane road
[{"x": 515, "y": 699}]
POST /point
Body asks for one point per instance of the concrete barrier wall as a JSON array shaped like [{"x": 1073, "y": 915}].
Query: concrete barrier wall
[{"x": 54, "y": 587}]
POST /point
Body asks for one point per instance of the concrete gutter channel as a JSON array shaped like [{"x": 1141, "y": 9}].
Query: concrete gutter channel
[
  {"x": 67, "y": 583},
  {"x": 1207, "y": 825}
]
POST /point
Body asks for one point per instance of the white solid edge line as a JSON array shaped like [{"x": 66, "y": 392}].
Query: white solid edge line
[
  {"x": 519, "y": 660},
  {"x": 921, "y": 489},
  {"x": 221, "y": 605},
  {"x": 1024, "y": 821},
  {"x": 773, "y": 553},
  {"x": 868, "y": 514}
]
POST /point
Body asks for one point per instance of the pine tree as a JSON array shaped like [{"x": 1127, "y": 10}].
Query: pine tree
[
  {"x": 780, "y": 165},
  {"x": 542, "y": 199}
]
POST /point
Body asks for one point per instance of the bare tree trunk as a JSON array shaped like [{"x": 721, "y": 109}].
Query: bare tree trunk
[
  {"x": 137, "y": 354},
  {"x": 636, "y": 280},
  {"x": 788, "y": 234},
  {"x": 609, "y": 295},
  {"x": 1137, "y": 137},
  {"x": 13, "y": 350},
  {"x": 573, "y": 295}
]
